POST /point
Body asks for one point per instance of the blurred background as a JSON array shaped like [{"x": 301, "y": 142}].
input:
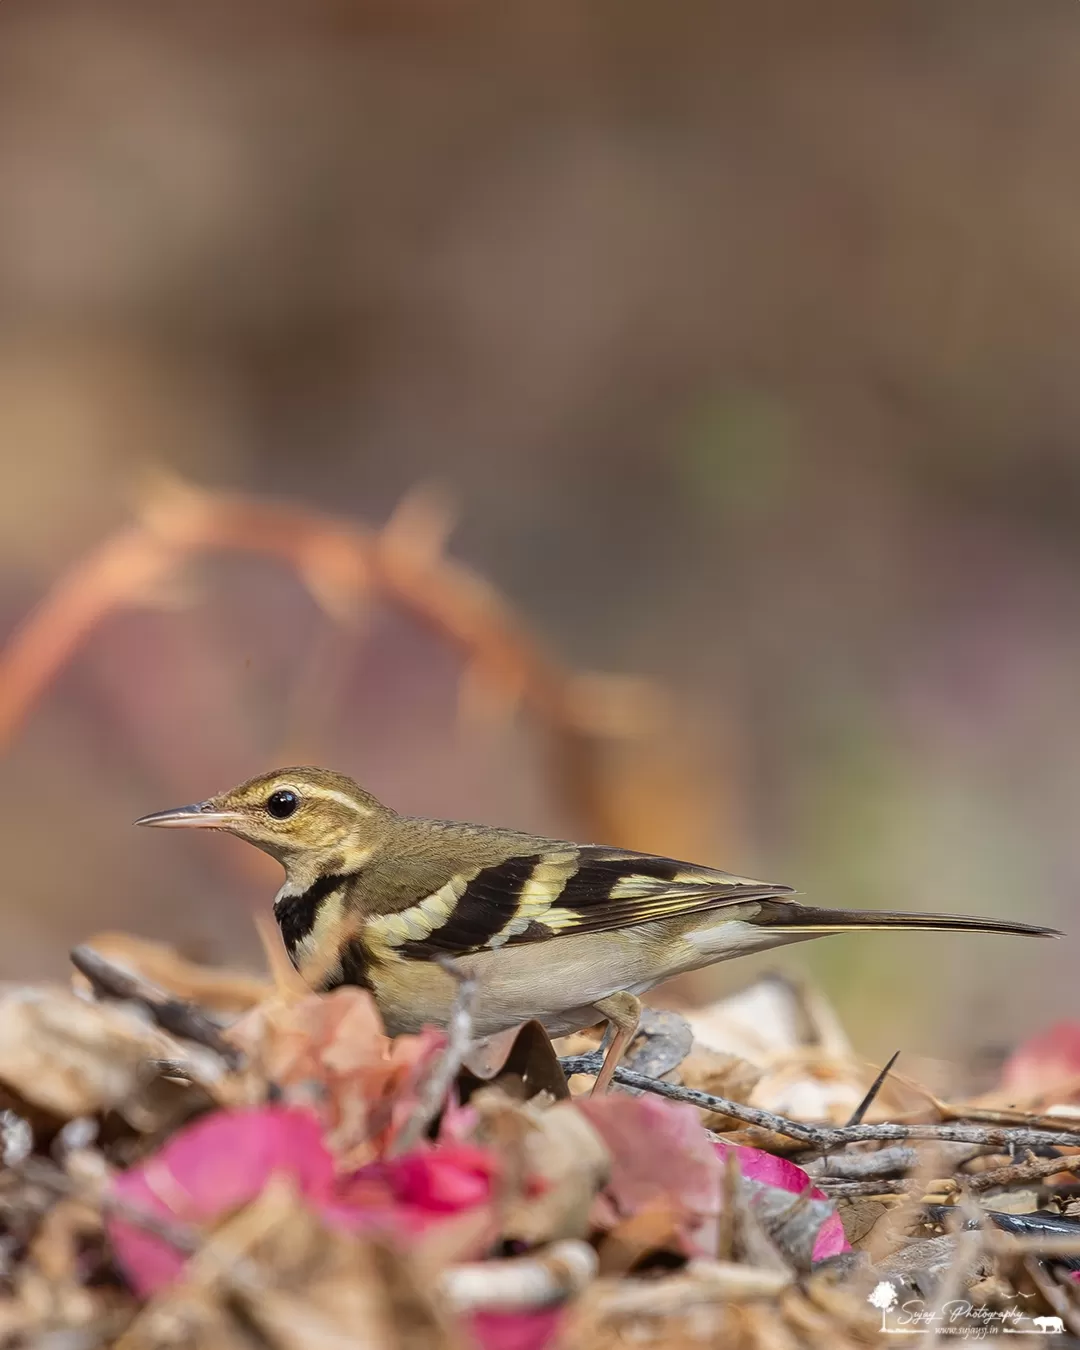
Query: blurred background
[{"x": 744, "y": 339}]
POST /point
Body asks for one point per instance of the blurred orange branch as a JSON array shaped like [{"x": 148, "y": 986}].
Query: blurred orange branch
[{"x": 340, "y": 564}]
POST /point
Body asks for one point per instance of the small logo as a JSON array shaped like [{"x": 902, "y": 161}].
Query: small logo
[
  {"x": 884, "y": 1297},
  {"x": 956, "y": 1318}
]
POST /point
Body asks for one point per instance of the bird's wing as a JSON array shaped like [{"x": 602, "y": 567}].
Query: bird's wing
[{"x": 562, "y": 889}]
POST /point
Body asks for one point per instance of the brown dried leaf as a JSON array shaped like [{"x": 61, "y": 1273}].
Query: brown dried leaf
[
  {"x": 330, "y": 1052},
  {"x": 48, "y": 1284},
  {"x": 814, "y": 1086},
  {"x": 554, "y": 1163},
  {"x": 659, "y": 1153},
  {"x": 581, "y": 1042},
  {"x": 861, "y": 1215},
  {"x": 809, "y": 1070},
  {"x": 227, "y": 992},
  {"x": 723, "y": 1075},
  {"x": 486, "y": 1057},
  {"x": 521, "y": 1061},
  {"x": 17, "y": 1321},
  {"x": 67, "y": 1057},
  {"x": 652, "y": 1229},
  {"x": 770, "y": 1018},
  {"x": 54, "y": 1246}
]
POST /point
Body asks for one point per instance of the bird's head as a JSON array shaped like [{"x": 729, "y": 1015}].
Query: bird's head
[{"x": 303, "y": 817}]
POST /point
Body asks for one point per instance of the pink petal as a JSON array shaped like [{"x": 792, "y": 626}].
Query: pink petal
[
  {"x": 423, "y": 1186},
  {"x": 210, "y": 1169},
  {"x": 515, "y": 1331},
  {"x": 1043, "y": 1061},
  {"x": 658, "y": 1150},
  {"x": 444, "y": 1180},
  {"x": 769, "y": 1170},
  {"x": 831, "y": 1239}
]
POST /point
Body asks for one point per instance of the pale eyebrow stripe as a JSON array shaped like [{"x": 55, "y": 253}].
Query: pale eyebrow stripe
[{"x": 331, "y": 794}]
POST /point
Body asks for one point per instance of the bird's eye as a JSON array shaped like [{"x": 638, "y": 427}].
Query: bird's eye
[{"x": 282, "y": 804}]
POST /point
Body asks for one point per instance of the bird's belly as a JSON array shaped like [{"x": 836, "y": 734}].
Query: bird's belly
[{"x": 517, "y": 983}]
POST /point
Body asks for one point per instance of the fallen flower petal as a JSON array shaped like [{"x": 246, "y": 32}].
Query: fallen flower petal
[
  {"x": 515, "y": 1331},
  {"x": 208, "y": 1171},
  {"x": 766, "y": 1169},
  {"x": 658, "y": 1150},
  {"x": 224, "y": 1161},
  {"x": 1043, "y": 1062},
  {"x": 331, "y": 1050},
  {"x": 419, "y": 1187}
]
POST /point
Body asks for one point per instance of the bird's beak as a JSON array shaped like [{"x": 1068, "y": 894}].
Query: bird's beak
[{"x": 198, "y": 816}]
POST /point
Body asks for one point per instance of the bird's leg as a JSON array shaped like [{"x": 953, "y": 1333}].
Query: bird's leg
[{"x": 623, "y": 1012}]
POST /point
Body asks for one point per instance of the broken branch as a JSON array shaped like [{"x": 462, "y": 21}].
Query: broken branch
[
  {"x": 826, "y": 1136},
  {"x": 171, "y": 1014},
  {"x": 458, "y": 1039}
]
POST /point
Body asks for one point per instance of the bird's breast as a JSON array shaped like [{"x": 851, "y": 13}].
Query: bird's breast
[{"x": 320, "y": 933}]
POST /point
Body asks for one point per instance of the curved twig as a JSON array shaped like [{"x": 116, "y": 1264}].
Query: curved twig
[
  {"x": 340, "y": 564},
  {"x": 825, "y": 1136}
]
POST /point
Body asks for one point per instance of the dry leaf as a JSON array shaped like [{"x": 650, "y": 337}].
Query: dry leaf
[
  {"x": 226, "y": 992},
  {"x": 862, "y": 1214},
  {"x": 653, "y": 1229},
  {"x": 661, "y": 1043},
  {"x": 808, "y": 1069},
  {"x": 554, "y": 1163},
  {"x": 723, "y": 1075},
  {"x": 206, "y": 1172},
  {"x": 768, "y": 1019},
  {"x": 330, "y": 1052},
  {"x": 659, "y": 1154},
  {"x": 717, "y": 1304},
  {"x": 223, "y": 1162},
  {"x": 51, "y": 1279},
  {"x": 68, "y": 1057},
  {"x": 521, "y": 1061}
]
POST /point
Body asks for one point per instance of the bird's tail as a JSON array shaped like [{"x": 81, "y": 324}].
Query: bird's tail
[{"x": 787, "y": 918}]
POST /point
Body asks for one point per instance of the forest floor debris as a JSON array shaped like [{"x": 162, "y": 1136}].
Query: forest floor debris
[{"x": 266, "y": 1166}]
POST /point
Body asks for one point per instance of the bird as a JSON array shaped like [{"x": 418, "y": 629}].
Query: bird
[{"x": 567, "y": 934}]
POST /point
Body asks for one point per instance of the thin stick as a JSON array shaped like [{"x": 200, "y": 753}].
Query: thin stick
[
  {"x": 729, "y": 1206},
  {"x": 1050, "y": 1244},
  {"x": 863, "y": 1166},
  {"x": 969, "y": 1246},
  {"x": 826, "y": 1136},
  {"x": 849, "y": 1190},
  {"x": 856, "y": 1117},
  {"x": 173, "y": 1015},
  {"x": 991, "y": 1116},
  {"x": 437, "y": 1085},
  {"x": 541, "y": 1280},
  {"x": 1052, "y": 1290},
  {"x": 704, "y": 1283},
  {"x": 1032, "y": 1169}
]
